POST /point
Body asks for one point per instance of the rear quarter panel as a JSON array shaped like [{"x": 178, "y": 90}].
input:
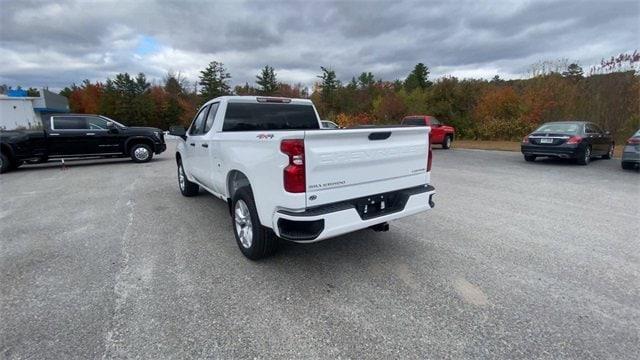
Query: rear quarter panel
[{"x": 257, "y": 155}]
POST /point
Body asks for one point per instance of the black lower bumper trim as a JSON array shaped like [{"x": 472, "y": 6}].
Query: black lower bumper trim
[
  {"x": 300, "y": 230},
  {"x": 395, "y": 201}
]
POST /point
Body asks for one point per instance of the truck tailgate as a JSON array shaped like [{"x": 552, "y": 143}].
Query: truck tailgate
[{"x": 349, "y": 164}]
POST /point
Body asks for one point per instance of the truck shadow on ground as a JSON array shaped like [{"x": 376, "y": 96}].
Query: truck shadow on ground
[{"x": 79, "y": 163}]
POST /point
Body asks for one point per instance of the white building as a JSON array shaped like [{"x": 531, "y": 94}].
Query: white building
[{"x": 23, "y": 112}]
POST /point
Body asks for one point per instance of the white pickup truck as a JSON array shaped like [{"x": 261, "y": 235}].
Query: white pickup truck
[{"x": 283, "y": 176}]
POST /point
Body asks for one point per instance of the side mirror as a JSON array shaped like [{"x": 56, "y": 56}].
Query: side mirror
[
  {"x": 607, "y": 132},
  {"x": 178, "y": 130},
  {"x": 112, "y": 127}
]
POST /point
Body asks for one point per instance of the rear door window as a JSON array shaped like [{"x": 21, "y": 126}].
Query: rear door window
[
  {"x": 69, "y": 123},
  {"x": 259, "y": 117}
]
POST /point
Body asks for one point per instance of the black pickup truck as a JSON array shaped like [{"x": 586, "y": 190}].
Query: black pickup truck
[{"x": 78, "y": 135}]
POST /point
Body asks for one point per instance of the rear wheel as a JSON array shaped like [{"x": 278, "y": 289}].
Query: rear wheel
[
  {"x": 628, "y": 165},
  {"x": 530, "y": 158},
  {"x": 141, "y": 153},
  {"x": 609, "y": 153},
  {"x": 254, "y": 240},
  {"x": 5, "y": 163},
  {"x": 446, "y": 144},
  {"x": 187, "y": 188},
  {"x": 585, "y": 156}
]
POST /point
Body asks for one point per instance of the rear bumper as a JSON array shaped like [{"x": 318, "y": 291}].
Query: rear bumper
[
  {"x": 332, "y": 220},
  {"x": 561, "y": 151}
]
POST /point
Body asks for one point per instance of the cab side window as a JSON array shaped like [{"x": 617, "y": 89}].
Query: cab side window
[
  {"x": 69, "y": 123},
  {"x": 590, "y": 129},
  {"x": 197, "y": 126},
  {"x": 96, "y": 123},
  {"x": 435, "y": 122},
  {"x": 213, "y": 109}
]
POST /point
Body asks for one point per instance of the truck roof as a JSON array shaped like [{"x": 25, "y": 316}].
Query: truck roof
[{"x": 268, "y": 99}]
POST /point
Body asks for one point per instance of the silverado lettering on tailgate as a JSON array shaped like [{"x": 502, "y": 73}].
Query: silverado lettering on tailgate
[{"x": 345, "y": 157}]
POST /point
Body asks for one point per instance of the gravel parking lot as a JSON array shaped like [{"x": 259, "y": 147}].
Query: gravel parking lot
[{"x": 107, "y": 259}]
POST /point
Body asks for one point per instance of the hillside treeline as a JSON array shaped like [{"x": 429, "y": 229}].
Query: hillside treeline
[{"x": 480, "y": 109}]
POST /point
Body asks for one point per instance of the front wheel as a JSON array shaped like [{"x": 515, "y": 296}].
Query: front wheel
[
  {"x": 585, "y": 156},
  {"x": 141, "y": 153},
  {"x": 447, "y": 142},
  {"x": 187, "y": 188},
  {"x": 254, "y": 240}
]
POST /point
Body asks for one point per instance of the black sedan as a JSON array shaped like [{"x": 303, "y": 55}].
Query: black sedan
[
  {"x": 631, "y": 153},
  {"x": 577, "y": 140}
]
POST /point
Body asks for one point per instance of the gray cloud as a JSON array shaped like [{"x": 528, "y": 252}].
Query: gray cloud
[{"x": 57, "y": 43}]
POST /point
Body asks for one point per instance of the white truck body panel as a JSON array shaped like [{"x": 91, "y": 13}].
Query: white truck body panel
[
  {"x": 346, "y": 164},
  {"x": 340, "y": 165}
]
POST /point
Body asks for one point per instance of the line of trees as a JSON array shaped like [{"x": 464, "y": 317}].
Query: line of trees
[{"x": 494, "y": 109}]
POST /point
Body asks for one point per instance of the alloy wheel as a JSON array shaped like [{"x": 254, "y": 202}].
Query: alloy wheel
[
  {"x": 242, "y": 220},
  {"x": 141, "y": 153},
  {"x": 181, "y": 177}
]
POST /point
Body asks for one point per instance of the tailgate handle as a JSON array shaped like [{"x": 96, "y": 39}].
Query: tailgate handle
[{"x": 379, "y": 135}]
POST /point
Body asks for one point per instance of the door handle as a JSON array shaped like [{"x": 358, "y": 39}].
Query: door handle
[
  {"x": 90, "y": 133},
  {"x": 205, "y": 145},
  {"x": 56, "y": 134},
  {"x": 192, "y": 144}
]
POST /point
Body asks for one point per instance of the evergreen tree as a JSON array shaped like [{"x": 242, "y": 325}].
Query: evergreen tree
[
  {"x": 418, "y": 78},
  {"x": 214, "y": 81},
  {"x": 366, "y": 80},
  {"x": 329, "y": 85},
  {"x": 266, "y": 80},
  {"x": 574, "y": 71}
]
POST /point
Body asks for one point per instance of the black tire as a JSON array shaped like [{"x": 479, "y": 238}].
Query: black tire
[
  {"x": 5, "y": 163},
  {"x": 609, "y": 153},
  {"x": 584, "y": 156},
  {"x": 530, "y": 158},
  {"x": 628, "y": 165},
  {"x": 446, "y": 143},
  {"x": 141, "y": 153},
  {"x": 187, "y": 188},
  {"x": 263, "y": 241}
]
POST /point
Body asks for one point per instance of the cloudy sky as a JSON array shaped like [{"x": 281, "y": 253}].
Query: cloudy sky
[{"x": 56, "y": 43}]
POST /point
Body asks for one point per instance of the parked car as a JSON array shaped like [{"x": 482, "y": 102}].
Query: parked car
[
  {"x": 78, "y": 135},
  {"x": 326, "y": 124},
  {"x": 282, "y": 176},
  {"x": 631, "y": 153},
  {"x": 577, "y": 140},
  {"x": 440, "y": 133}
]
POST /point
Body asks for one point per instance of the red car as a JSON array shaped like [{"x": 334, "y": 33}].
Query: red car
[{"x": 440, "y": 133}]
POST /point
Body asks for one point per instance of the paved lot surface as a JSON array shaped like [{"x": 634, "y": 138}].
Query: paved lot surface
[{"x": 517, "y": 260}]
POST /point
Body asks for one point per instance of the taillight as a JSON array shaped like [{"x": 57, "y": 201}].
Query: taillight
[
  {"x": 429, "y": 158},
  {"x": 525, "y": 140},
  {"x": 574, "y": 140},
  {"x": 294, "y": 175},
  {"x": 633, "y": 141}
]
